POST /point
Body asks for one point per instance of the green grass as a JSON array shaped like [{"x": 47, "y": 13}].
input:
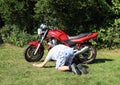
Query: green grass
[{"x": 14, "y": 70}]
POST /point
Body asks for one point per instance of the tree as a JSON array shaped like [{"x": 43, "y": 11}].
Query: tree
[
  {"x": 74, "y": 16},
  {"x": 77, "y": 16},
  {"x": 18, "y": 12}
]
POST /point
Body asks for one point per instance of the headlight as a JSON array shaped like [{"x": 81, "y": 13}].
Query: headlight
[
  {"x": 43, "y": 26},
  {"x": 40, "y": 31}
]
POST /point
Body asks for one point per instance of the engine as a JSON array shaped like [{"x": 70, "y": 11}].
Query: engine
[{"x": 52, "y": 42}]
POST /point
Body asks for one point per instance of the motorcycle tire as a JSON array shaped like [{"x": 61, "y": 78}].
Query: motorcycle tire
[
  {"x": 88, "y": 56},
  {"x": 29, "y": 53}
]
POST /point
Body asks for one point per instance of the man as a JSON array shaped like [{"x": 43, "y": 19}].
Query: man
[{"x": 63, "y": 56}]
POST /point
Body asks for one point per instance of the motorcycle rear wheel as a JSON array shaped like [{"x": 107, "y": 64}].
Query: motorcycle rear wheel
[
  {"x": 29, "y": 53},
  {"x": 88, "y": 56}
]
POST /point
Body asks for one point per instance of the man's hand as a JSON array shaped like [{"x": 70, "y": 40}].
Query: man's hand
[
  {"x": 41, "y": 65},
  {"x": 38, "y": 65}
]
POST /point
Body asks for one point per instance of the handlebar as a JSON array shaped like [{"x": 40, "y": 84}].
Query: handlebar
[{"x": 45, "y": 26}]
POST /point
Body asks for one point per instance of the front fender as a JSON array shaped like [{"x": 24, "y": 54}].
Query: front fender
[
  {"x": 33, "y": 43},
  {"x": 36, "y": 44}
]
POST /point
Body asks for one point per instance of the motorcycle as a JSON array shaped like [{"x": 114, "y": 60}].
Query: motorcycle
[{"x": 84, "y": 51}]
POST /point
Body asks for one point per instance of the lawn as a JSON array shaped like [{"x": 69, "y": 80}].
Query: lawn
[{"x": 14, "y": 70}]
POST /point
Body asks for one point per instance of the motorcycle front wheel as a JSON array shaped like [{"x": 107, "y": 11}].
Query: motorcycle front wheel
[
  {"x": 29, "y": 53},
  {"x": 88, "y": 56}
]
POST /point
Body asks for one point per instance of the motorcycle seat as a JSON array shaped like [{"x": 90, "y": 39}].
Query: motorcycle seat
[{"x": 78, "y": 36}]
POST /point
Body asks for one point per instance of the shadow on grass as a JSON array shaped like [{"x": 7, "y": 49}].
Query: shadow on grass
[
  {"x": 49, "y": 67},
  {"x": 103, "y": 60}
]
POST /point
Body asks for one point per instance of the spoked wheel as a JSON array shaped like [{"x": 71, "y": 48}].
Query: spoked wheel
[
  {"x": 88, "y": 56},
  {"x": 29, "y": 53}
]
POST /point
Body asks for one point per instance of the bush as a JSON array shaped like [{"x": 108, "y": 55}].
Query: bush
[
  {"x": 12, "y": 34},
  {"x": 110, "y": 37}
]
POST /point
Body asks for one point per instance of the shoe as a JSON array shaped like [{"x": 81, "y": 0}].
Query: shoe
[
  {"x": 82, "y": 69},
  {"x": 75, "y": 69}
]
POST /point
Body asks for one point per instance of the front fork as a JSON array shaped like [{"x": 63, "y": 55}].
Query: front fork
[
  {"x": 37, "y": 48},
  {"x": 39, "y": 44}
]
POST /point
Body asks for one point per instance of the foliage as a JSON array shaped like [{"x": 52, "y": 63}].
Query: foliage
[
  {"x": 111, "y": 36},
  {"x": 82, "y": 12},
  {"x": 116, "y": 6},
  {"x": 18, "y": 12},
  {"x": 43, "y": 12},
  {"x": 12, "y": 34},
  {"x": 20, "y": 38},
  {"x": 73, "y": 16}
]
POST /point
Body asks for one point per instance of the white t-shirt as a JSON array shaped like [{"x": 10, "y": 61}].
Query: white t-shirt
[{"x": 54, "y": 52}]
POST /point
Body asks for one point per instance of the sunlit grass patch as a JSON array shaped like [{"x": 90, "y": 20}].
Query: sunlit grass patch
[{"x": 15, "y": 70}]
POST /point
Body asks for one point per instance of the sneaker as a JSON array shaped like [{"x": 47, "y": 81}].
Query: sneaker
[
  {"x": 75, "y": 69},
  {"x": 82, "y": 69}
]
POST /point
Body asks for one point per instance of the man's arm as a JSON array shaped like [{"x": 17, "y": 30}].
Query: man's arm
[
  {"x": 41, "y": 65},
  {"x": 44, "y": 63}
]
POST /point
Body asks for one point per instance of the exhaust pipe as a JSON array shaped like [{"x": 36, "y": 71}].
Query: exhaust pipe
[{"x": 84, "y": 49}]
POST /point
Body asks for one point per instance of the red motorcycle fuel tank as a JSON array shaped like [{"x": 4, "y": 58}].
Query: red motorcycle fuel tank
[{"x": 58, "y": 34}]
